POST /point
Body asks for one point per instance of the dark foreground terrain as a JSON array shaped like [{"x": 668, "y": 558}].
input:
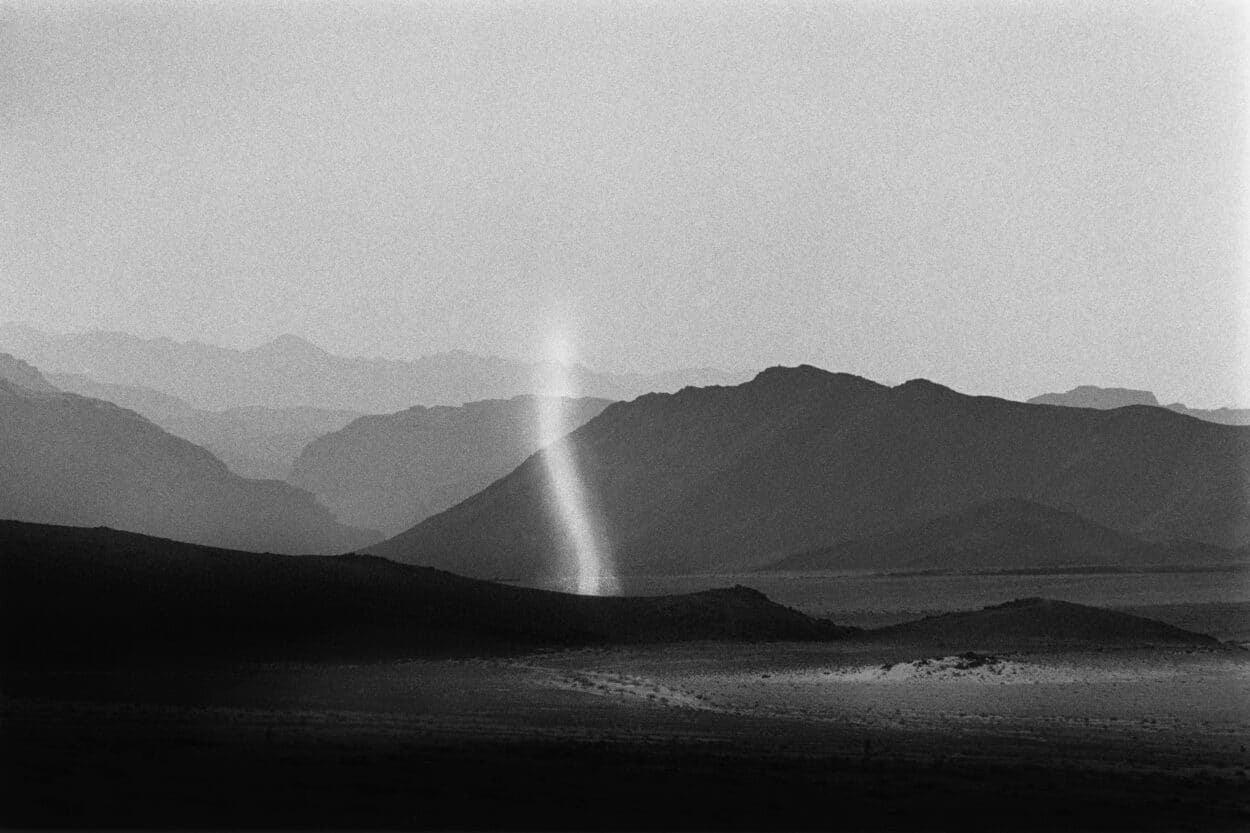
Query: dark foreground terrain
[
  {"x": 705, "y": 736},
  {"x": 1033, "y": 714}
]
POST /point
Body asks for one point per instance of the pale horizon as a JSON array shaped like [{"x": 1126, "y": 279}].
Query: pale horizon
[{"x": 1008, "y": 199}]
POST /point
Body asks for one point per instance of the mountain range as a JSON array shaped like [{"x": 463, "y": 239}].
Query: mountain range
[
  {"x": 392, "y": 471},
  {"x": 1005, "y": 534},
  {"x": 1092, "y": 396},
  {"x": 253, "y": 441},
  {"x": 725, "y": 478},
  {"x": 291, "y": 372},
  {"x": 73, "y": 460}
]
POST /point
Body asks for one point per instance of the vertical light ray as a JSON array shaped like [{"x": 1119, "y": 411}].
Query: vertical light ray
[{"x": 591, "y": 565}]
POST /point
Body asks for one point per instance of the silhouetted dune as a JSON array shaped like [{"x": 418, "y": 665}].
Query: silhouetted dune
[
  {"x": 101, "y": 596},
  {"x": 1040, "y": 623},
  {"x": 722, "y": 478},
  {"x": 67, "y": 459},
  {"x": 391, "y": 471},
  {"x": 1000, "y": 535}
]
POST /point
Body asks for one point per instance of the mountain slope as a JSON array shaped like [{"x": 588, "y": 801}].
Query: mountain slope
[
  {"x": 1091, "y": 396},
  {"x": 254, "y": 442},
  {"x": 1002, "y": 534},
  {"x": 22, "y": 375},
  {"x": 68, "y": 459},
  {"x": 734, "y": 477},
  {"x": 102, "y": 596},
  {"x": 290, "y": 372},
  {"x": 390, "y": 472}
]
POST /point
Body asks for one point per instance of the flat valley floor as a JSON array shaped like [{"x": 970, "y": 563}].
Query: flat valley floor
[{"x": 697, "y": 736}]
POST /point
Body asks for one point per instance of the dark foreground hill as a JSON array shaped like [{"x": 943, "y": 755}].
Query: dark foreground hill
[
  {"x": 67, "y": 459},
  {"x": 722, "y": 478},
  {"x": 392, "y": 471},
  {"x": 1004, "y": 535},
  {"x": 104, "y": 597},
  {"x": 1039, "y": 623}
]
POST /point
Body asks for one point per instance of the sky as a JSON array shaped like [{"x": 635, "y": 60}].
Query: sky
[{"x": 1007, "y": 198}]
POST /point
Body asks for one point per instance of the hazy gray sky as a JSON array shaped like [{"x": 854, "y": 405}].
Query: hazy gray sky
[{"x": 1004, "y": 197}]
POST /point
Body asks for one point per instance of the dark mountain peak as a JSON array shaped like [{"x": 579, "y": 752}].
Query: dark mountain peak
[
  {"x": 800, "y": 459},
  {"x": 807, "y": 377},
  {"x": 923, "y": 387}
]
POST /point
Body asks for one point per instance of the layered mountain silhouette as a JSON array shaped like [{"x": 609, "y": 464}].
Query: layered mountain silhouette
[
  {"x": 108, "y": 597},
  {"x": 255, "y": 441},
  {"x": 68, "y": 459},
  {"x": 291, "y": 372},
  {"x": 1092, "y": 396},
  {"x": 719, "y": 478},
  {"x": 390, "y": 472},
  {"x": 1009, "y": 533}
]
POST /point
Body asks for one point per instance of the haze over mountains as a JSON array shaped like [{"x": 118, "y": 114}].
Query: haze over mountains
[
  {"x": 392, "y": 471},
  {"x": 724, "y": 478},
  {"x": 291, "y": 372},
  {"x": 1092, "y": 396},
  {"x": 254, "y": 441},
  {"x": 799, "y": 467},
  {"x": 67, "y": 459}
]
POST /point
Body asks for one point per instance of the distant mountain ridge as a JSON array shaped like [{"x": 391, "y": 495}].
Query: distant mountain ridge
[
  {"x": 291, "y": 372},
  {"x": 390, "y": 472},
  {"x": 254, "y": 442},
  {"x": 1092, "y": 396},
  {"x": 1009, "y": 533},
  {"x": 727, "y": 478},
  {"x": 71, "y": 460}
]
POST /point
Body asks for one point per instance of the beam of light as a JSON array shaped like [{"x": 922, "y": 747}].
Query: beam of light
[{"x": 590, "y": 567}]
